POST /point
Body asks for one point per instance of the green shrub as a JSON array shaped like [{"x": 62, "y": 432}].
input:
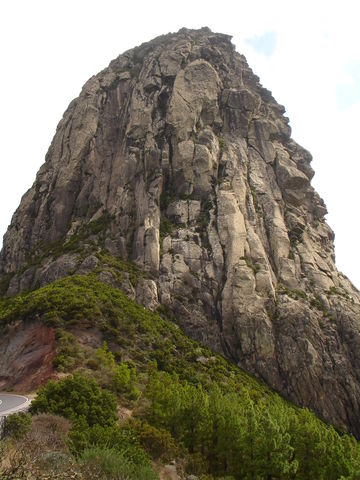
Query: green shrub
[
  {"x": 123, "y": 439},
  {"x": 222, "y": 145},
  {"x": 105, "y": 357},
  {"x": 124, "y": 380},
  {"x": 69, "y": 353},
  {"x": 17, "y": 425},
  {"x": 157, "y": 442},
  {"x": 77, "y": 398},
  {"x": 115, "y": 465}
]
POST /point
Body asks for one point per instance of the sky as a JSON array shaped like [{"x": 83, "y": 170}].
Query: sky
[{"x": 306, "y": 52}]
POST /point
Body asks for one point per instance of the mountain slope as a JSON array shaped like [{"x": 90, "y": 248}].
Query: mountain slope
[
  {"x": 175, "y": 157},
  {"x": 185, "y": 401}
]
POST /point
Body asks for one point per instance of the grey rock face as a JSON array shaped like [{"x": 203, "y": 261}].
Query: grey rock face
[{"x": 204, "y": 188}]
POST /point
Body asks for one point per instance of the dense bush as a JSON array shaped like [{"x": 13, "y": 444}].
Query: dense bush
[
  {"x": 122, "y": 438},
  {"x": 69, "y": 354},
  {"x": 17, "y": 425},
  {"x": 77, "y": 398},
  {"x": 157, "y": 442},
  {"x": 108, "y": 463},
  {"x": 124, "y": 381},
  {"x": 111, "y": 450}
]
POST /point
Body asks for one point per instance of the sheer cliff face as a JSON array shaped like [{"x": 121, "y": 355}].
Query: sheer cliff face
[{"x": 191, "y": 162}]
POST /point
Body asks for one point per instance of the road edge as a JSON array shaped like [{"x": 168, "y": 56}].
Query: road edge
[{"x": 20, "y": 408}]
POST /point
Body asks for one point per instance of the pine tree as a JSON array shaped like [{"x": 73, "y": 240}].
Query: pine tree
[
  {"x": 309, "y": 440},
  {"x": 275, "y": 451}
]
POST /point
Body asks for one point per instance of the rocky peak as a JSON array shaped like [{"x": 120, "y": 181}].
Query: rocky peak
[{"x": 177, "y": 159}]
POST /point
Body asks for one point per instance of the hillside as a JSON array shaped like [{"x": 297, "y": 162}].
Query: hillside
[{"x": 184, "y": 402}]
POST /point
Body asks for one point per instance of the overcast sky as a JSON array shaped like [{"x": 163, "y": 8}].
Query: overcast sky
[{"x": 306, "y": 52}]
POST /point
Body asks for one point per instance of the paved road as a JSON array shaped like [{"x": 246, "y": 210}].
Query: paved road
[{"x": 10, "y": 403}]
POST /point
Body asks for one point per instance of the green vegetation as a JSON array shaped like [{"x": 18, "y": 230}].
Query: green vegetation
[
  {"x": 124, "y": 381},
  {"x": 256, "y": 202},
  {"x": 294, "y": 293},
  {"x": 203, "y": 222},
  {"x": 157, "y": 442},
  {"x": 117, "y": 266},
  {"x": 95, "y": 447},
  {"x": 313, "y": 300},
  {"x": 228, "y": 434},
  {"x": 166, "y": 227},
  {"x": 4, "y": 282},
  {"x": 77, "y": 398},
  {"x": 222, "y": 146},
  {"x": 203, "y": 219},
  {"x": 84, "y": 234},
  {"x": 250, "y": 264},
  {"x": 340, "y": 292},
  {"x": 69, "y": 352},
  {"x": 184, "y": 402},
  {"x": 111, "y": 464},
  {"x": 17, "y": 425}
]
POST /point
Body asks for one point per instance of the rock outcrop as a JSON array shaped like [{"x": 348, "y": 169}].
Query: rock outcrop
[
  {"x": 176, "y": 158},
  {"x": 27, "y": 352}
]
